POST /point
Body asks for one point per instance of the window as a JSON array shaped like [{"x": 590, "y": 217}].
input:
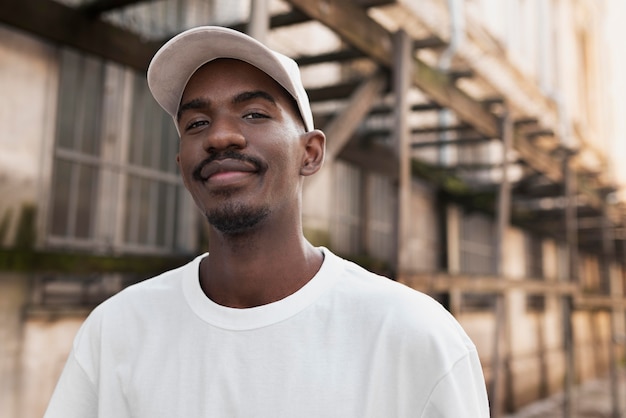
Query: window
[
  {"x": 477, "y": 244},
  {"x": 477, "y": 256},
  {"x": 346, "y": 231},
  {"x": 364, "y": 214},
  {"x": 62, "y": 291},
  {"x": 533, "y": 256},
  {"x": 381, "y": 217},
  {"x": 77, "y": 146},
  {"x": 115, "y": 183}
]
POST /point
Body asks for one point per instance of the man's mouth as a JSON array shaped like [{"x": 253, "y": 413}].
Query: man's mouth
[
  {"x": 222, "y": 168},
  {"x": 225, "y": 167}
]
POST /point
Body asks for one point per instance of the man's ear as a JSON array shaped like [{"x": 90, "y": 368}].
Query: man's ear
[{"x": 314, "y": 151}]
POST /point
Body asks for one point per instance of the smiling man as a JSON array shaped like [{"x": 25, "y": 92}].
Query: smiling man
[{"x": 264, "y": 324}]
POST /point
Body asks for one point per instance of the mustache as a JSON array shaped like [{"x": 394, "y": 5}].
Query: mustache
[{"x": 228, "y": 154}]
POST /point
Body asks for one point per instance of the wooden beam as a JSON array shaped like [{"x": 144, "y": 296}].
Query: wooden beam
[
  {"x": 457, "y": 75},
  {"x": 336, "y": 56},
  {"x": 376, "y": 157},
  {"x": 437, "y": 282},
  {"x": 419, "y": 107},
  {"x": 429, "y": 42},
  {"x": 97, "y": 7},
  {"x": 352, "y": 24},
  {"x": 539, "y": 132},
  {"x": 341, "y": 128},
  {"x": 477, "y": 166},
  {"x": 441, "y": 128},
  {"x": 536, "y": 159},
  {"x": 375, "y": 3},
  {"x": 355, "y": 27},
  {"x": 402, "y": 69},
  {"x": 501, "y": 341},
  {"x": 333, "y": 92},
  {"x": 589, "y": 302},
  {"x": 293, "y": 17},
  {"x": 64, "y": 25},
  {"x": 538, "y": 191},
  {"x": 570, "y": 235},
  {"x": 448, "y": 142}
]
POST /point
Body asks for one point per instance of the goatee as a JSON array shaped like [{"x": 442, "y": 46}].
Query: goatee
[{"x": 234, "y": 219}]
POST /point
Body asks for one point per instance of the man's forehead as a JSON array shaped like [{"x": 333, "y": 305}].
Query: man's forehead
[
  {"x": 232, "y": 68},
  {"x": 247, "y": 76}
]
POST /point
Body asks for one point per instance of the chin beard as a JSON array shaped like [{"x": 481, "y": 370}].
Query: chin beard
[{"x": 233, "y": 219}]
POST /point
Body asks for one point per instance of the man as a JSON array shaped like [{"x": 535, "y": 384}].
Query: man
[{"x": 265, "y": 324}]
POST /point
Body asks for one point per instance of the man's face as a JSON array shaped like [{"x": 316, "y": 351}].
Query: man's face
[{"x": 241, "y": 146}]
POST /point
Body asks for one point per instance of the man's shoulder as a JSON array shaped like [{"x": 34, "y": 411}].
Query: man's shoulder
[
  {"x": 140, "y": 303},
  {"x": 405, "y": 310},
  {"x": 161, "y": 287},
  {"x": 366, "y": 283}
]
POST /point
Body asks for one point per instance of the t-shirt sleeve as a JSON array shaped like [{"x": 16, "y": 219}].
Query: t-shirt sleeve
[
  {"x": 461, "y": 393},
  {"x": 74, "y": 395}
]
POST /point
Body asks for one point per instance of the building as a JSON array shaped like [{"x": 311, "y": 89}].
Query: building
[{"x": 474, "y": 153}]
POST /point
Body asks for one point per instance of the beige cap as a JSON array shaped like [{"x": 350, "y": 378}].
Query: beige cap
[{"x": 174, "y": 64}]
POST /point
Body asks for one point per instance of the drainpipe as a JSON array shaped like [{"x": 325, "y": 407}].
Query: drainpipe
[
  {"x": 259, "y": 22},
  {"x": 457, "y": 35}
]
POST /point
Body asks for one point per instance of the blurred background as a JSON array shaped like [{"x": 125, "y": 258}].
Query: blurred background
[{"x": 475, "y": 152}]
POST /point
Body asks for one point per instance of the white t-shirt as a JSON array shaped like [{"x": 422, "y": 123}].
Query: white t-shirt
[{"x": 347, "y": 344}]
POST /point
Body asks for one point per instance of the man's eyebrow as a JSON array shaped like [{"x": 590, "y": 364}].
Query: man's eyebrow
[
  {"x": 251, "y": 95},
  {"x": 239, "y": 98},
  {"x": 190, "y": 105}
]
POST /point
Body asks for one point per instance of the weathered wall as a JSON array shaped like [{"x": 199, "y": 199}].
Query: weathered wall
[
  {"x": 47, "y": 340},
  {"x": 33, "y": 348},
  {"x": 425, "y": 242},
  {"x": 13, "y": 296},
  {"x": 316, "y": 205},
  {"x": 28, "y": 82}
]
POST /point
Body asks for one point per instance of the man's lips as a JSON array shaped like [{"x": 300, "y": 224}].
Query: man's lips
[{"x": 226, "y": 166}]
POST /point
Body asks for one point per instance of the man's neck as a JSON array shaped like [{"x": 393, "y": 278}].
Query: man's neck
[{"x": 253, "y": 269}]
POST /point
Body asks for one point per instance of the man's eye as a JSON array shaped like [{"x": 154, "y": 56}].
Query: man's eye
[
  {"x": 255, "y": 115},
  {"x": 197, "y": 124}
]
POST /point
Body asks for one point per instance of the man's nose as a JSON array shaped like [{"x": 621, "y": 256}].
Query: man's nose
[{"x": 224, "y": 133}]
